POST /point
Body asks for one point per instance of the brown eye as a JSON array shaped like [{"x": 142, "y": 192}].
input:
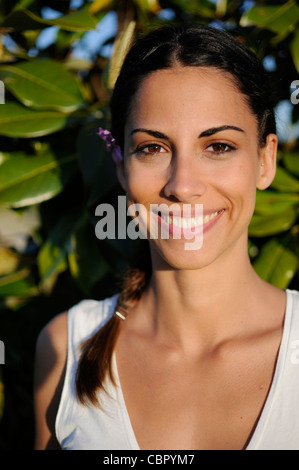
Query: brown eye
[
  {"x": 153, "y": 148},
  {"x": 220, "y": 147},
  {"x": 150, "y": 149}
]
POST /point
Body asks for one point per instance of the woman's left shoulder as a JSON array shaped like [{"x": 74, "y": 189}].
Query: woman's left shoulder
[{"x": 87, "y": 316}]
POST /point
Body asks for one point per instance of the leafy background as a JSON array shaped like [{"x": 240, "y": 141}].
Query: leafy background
[{"x": 58, "y": 61}]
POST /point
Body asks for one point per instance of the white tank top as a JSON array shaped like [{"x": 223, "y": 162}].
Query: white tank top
[{"x": 83, "y": 427}]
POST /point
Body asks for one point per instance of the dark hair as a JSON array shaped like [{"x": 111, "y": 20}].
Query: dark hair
[
  {"x": 189, "y": 45},
  {"x": 196, "y": 46}
]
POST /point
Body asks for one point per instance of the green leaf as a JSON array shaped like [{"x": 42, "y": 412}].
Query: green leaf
[
  {"x": 262, "y": 225},
  {"x": 284, "y": 181},
  {"x": 18, "y": 121},
  {"x": 121, "y": 47},
  {"x": 294, "y": 47},
  {"x": 148, "y": 6},
  {"x": 273, "y": 202},
  {"x": 278, "y": 19},
  {"x": 26, "y": 180},
  {"x": 43, "y": 83},
  {"x": 17, "y": 284},
  {"x": 203, "y": 8},
  {"x": 22, "y": 20},
  {"x": 221, "y": 7},
  {"x": 86, "y": 262},
  {"x": 53, "y": 253},
  {"x": 23, "y": 4},
  {"x": 291, "y": 161},
  {"x": 9, "y": 261},
  {"x": 276, "y": 263},
  {"x": 99, "y": 5}
]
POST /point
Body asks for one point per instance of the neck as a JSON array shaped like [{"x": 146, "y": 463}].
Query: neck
[{"x": 210, "y": 303}]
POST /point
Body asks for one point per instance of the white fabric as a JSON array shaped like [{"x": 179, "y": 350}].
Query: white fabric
[{"x": 109, "y": 428}]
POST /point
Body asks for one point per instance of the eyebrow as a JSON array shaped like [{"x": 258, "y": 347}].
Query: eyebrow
[
  {"x": 206, "y": 133},
  {"x": 214, "y": 130},
  {"x": 157, "y": 134}
]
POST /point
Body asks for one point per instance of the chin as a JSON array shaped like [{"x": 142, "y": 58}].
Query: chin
[{"x": 180, "y": 259}]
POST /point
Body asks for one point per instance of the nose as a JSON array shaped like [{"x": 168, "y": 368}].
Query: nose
[{"x": 186, "y": 182}]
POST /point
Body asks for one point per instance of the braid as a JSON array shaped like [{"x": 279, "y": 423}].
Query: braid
[{"x": 95, "y": 361}]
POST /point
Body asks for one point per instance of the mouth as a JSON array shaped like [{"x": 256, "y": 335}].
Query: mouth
[
  {"x": 188, "y": 222},
  {"x": 182, "y": 226}
]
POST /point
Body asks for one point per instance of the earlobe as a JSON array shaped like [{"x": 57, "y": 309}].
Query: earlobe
[{"x": 267, "y": 162}]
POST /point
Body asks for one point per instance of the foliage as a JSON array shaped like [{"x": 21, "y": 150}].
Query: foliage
[{"x": 54, "y": 170}]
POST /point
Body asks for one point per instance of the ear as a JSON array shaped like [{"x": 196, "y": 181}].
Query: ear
[
  {"x": 120, "y": 172},
  {"x": 267, "y": 162}
]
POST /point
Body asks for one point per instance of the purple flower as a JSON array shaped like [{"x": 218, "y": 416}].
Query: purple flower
[{"x": 111, "y": 144}]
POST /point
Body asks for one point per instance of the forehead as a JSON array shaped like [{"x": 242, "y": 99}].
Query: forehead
[{"x": 187, "y": 94}]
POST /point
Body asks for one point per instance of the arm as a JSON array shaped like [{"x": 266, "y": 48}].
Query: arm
[{"x": 50, "y": 362}]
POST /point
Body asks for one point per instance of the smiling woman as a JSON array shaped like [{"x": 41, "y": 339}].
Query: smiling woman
[{"x": 194, "y": 353}]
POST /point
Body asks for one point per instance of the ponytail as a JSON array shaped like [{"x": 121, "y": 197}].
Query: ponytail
[{"x": 95, "y": 361}]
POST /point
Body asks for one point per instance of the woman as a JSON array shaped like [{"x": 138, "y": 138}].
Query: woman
[{"x": 198, "y": 353}]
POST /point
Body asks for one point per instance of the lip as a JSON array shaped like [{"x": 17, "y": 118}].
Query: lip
[
  {"x": 180, "y": 226},
  {"x": 186, "y": 211}
]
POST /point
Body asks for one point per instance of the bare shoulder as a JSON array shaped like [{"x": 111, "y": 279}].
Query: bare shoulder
[
  {"x": 50, "y": 362},
  {"x": 53, "y": 337}
]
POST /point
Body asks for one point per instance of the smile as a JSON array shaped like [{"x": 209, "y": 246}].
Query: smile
[{"x": 188, "y": 222}]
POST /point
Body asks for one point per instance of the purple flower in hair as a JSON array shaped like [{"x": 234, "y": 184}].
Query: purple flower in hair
[{"x": 111, "y": 144}]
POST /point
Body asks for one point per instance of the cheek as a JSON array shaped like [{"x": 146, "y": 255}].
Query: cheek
[
  {"x": 243, "y": 172},
  {"x": 144, "y": 180},
  {"x": 141, "y": 187},
  {"x": 238, "y": 185}
]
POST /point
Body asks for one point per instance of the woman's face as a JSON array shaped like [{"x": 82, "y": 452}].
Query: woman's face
[{"x": 192, "y": 139}]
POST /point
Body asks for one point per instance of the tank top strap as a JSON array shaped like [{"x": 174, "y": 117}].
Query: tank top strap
[{"x": 85, "y": 318}]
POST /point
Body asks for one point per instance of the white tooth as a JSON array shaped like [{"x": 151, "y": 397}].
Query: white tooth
[
  {"x": 176, "y": 222},
  {"x": 207, "y": 218},
  {"x": 188, "y": 222}
]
